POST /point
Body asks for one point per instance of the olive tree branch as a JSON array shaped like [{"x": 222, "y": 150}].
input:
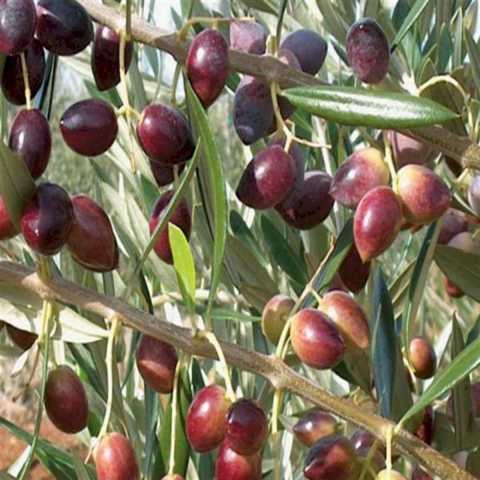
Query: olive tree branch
[
  {"x": 269, "y": 367},
  {"x": 270, "y": 69}
]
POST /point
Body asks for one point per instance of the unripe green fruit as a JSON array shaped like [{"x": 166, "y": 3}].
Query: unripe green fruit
[
  {"x": 390, "y": 475},
  {"x": 275, "y": 315}
]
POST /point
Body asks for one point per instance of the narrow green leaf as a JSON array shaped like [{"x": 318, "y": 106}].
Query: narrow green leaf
[
  {"x": 369, "y": 108},
  {"x": 215, "y": 174},
  {"x": 474, "y": 54},
  {"x": 184, "y": 265},
  {"x": 409, "y": 21},
  {"x": 474, "y": 332}
]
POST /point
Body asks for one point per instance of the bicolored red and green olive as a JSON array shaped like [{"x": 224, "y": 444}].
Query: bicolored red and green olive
[
  {"x": 474, "y": 195},
  {"x": 230, "y": 465},
  {"x": 21, "y": 338},
  {"x": 353, "y": 272},
  {"x": 91, "y": 241},
  {"x": 275, "y": 315},
  {"x": 377, "y": 222},
  {"x": 181, "y": 218},
  {"x": 248, "y": 37},
  {"x": 17, "y": 25},
  {"x": 156, "y": 362},
  {"x": 454, "y": 222},
  {"x": 314, "y": 426},
  {"x": 368, "y": 51},
  {"x": 390, "y": 475},
  {"x": 268, "y": 178},
  {"x": 89, "y": 127},
  {"x": 425, "y": 196},
  {"x": 7, "y": 228},
  {"x": 408, "y": 150},
  {"x": 422, "y": 358},
  {"x": 316, "y": 339},
  {"x": 207, "y": 65},
  {"x": 206, "y": 422},
  {"x": 165, "y": 135},
  {"x": 331, "y": 457},
  {"x": 165, "y": 174},
  {"x": 247, "y": 427},
  {"x": 47, "y": 219},
  {"x": 63, "y": 26},
  {"x": 309, "y": 48},
  {"x": 115, "y": 459},
  {"x": 66, "y": 401},
  {"x": 361, "y": 172},
  {"x": 30, "y": 137},
  {"x": 106, "y": 57},
  {"x": 349, "y": 318}
]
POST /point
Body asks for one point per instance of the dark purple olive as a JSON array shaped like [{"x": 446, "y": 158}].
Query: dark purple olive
[
  {"x": 7, "y": 228},
  {"x": 115, "y": 459},
  {"x": 268, "y": 178},
  {"x": 353, "y": 272},
  {"x": 407, "y": 150},
  {"x": 181, "y": 218},
  {"x": 368, "y": 51},
  {"x": 89, "y": 127},
  {"x": 91, "y": 240},
  {"x": 314, "y": 426},
  {"x": 66, "y": 402},
  {"x": 474, "y": 195},
  {"x": 63, "y": 26},
  {"x": 17, "y": 25},
  {"x": 31, "y": 138},
  {"x": 230, "y": 465},
  {"x": 249, "y": 37},
  {"x": 164, "y": 174},
  {"x": 426, "y": 429},
  {"x": 13, "y": 86},
  {"x": 309, "y": 48},
  {"x": 207, "y": 65},
  {"x": 47, "y": 219},
  {"x": 21, "y": 338},
  {"x": 106, "y": 58},
  {"x": 165, "y": 135},
  {"x": 454, "y": 222},
  {"x": 310, "y": 203}
]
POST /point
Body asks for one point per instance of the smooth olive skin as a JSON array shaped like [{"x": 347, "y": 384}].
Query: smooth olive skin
[
  {"x": 425, "y": 196},
  {"x": 268, "y": 178},
  {"x": 422, "y": 358},
  {"x": 353, "y": 272},
  {"x": 407, "y": 150},
  {"x": 332, "y": 457},
  {"x": 368, "y": 51},
  {"x": 17, "y": 25},
  {"x": 115, "y": 459},
  {"x": 206, "y": 422},
  {"x": 275, "y": 315},
  {"x": 106, "y": 58},
  {"x": 181, "y": 218},
  {"x": 89, "y": 127},
  {"x": 247, "y": 427},
  {"x": 376, "y": 222},
  {"x": 91, "y": 241},
  {"x": 390, "y": 475},
  {"x": 310, "y": 203},
  {"x": 164, "y": 174},
  {"x": 363, "y": 171},
  {"x": 21, "y": 338},
  {"x": 208, "y": 65},
  {"x": 156, "y": 362},
  {"x": 314, "y": 426},
  {"x": 232, "y": 466},
  {"x": 165, "y": 135},
  {"x": 66, "y": 401},
  {"x": 474, "y": 195},
  {"x": 13, "y": 86},
  {"x": 248, "y": 37},
  {"x": 7, "y": 228},
  {"x": 309, "y": 48},
  {"x": 454, "y": 222},
  {"x": 63, "y": 26},
  {"x": 31, "y": 138},
  {"x": 47, "y": 219},
  {"x": 349, "y": 318},
  {"x": 316, "y": 339}
]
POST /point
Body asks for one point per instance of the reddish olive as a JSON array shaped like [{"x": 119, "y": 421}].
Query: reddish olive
[
  {"x": 230, "y": 465},
  {"x": 115, "y": 459},
  {"x": 21, "y": 338}
]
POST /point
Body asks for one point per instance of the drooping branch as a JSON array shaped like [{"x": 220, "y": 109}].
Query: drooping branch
[
  {"x": 271, "y": 368},
  {"x": 461, "y": 149}
]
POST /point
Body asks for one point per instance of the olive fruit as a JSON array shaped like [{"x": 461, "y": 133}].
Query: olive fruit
[
  {"x": 66, "y": 402},
  {"x": 452, "y": 290},
  {"x": 17, "y": 25},
  {"x": 21, "y": 338},
  {"x": 208, "y": 65},
  {"x": 426, "y": 429},
  {"x": 390, "y": 475},
  {"x": 13, "y": 86},
  {"x": 165, "y": 135},
  {"x": 474, "y": 195},
  {"x": 47, "y": 219},
  {"x": 7, "y": 228},
  {"x": 156, "y": 362},
  {"x": 164, "y": 174},
  {"x": 180, "y": 217},
  {"x": 230, "y": 465},
  {"x": 248, "y": 37},
  {"x": 115, "y": 459},
  {"x": 422, "y": 358},
  {"x": 91, "y": 240},
  {"x": 175, "y": 476},
  {"x": 275, "y": 315},
  {"x": 316, "y": 339},
  {"x": 454, "y": 222},
  {"x": 408, "y": 150},
  {"x": 30, "y": 137},
  {"x": 314, "y": 426},
  {"x": 353, "y": 272},
  {"x": 89, "y": 127},
  {"x": 63, "y": 26},
  {"x": 368, "y": 51}
]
